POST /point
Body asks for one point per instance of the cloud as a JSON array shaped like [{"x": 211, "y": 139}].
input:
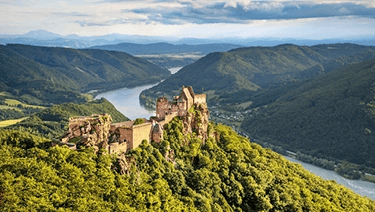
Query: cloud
[
  {"x": 244, "y": 11},
  {"x": 73, "y": 14},
  {"x": 84, "y": 23}
]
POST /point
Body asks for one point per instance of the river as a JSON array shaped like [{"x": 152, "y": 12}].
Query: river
[
  {"x": 127, "y": 102},
  {"x": 360, "y": 187}
]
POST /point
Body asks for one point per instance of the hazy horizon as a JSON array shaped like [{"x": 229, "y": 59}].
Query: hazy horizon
[{"x": 316, "y": 20}]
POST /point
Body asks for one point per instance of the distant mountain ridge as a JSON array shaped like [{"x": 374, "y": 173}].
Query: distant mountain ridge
[
  {"x": 258, "y": 74},
  {"x": 39, "y": 71},
  {"x": 167, "y": 48},
  {"x": 45, "y": 38}
]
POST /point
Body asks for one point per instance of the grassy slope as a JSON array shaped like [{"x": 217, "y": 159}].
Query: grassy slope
[
  {"x": 11, "y": 122},
  {"x": 324, "y": 117}
]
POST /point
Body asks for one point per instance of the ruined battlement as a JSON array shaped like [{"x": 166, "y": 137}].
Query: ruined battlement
[
  {"x": 99, "y": 132},
  {"x": 200, "y": 99},
  {"x": 166, "y": 110}
]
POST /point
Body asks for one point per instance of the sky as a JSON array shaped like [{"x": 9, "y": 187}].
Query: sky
[{"x": 320, "y": 19}]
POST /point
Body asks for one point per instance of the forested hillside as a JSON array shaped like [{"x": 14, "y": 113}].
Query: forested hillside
[
  {"x": 53, "y": 122},
  {"x": 56, "y": 75},
  {"x": 258, "y": 74},
  {"x": 224, "y": 173},
  {"x": 167, "y": 48},
  {"x": 331, "y": 116}
]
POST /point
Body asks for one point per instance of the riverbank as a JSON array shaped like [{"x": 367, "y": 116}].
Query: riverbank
[
  {"x": 361, "y": 187},
  {"x": 127, "y": 101}
]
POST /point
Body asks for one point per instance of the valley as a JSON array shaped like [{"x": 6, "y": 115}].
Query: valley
[
  {"x": 233, "y": 117},
  {"x": 230, "y": 107},
  {"x": 176, "y": 106}
]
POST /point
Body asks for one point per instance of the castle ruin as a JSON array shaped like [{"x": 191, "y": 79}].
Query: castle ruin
[{"x": 98, "y": 131}]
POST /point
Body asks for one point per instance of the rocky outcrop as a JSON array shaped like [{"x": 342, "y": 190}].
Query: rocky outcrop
[
  {"x": 88, "y": 131},
  {"x": 197, "y": 121}
]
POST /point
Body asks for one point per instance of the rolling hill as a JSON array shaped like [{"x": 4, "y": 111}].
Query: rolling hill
[
  {"x": 330, "y": 116},
  {"x": 167, "y": 48},
  {"x": 258, "y": 74},
  {"x": 59, "y": 75}
]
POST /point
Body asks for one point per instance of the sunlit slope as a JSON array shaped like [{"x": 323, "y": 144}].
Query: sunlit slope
[
  {"x": 225, "y": 173},
  {"x": 258, "y": 74}
]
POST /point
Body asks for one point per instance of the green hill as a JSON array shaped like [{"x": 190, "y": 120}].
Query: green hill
[
  {"x": 167, "y": 48},
  {"x": 224, "y": 173},
  {"x": 59, "y": 75},
  {"x": 258, "y": 74},
  {"x": 330, "y": 116},
  {"x": 52, "y": 122}
]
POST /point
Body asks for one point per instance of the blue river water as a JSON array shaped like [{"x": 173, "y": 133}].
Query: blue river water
[
  {"x": 127, "y": 102},
  {"x": 360, "y": 187}
]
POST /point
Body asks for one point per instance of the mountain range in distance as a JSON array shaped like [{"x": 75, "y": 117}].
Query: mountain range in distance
[
  {"x": 46, "y": 38},
  {"x": 167, "y": 48}
]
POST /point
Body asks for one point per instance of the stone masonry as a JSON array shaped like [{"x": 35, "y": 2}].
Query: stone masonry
[{"x": 97, "y": 130}]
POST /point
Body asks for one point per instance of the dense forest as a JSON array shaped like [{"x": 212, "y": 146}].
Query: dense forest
[
  {"x": 331, "y": 117},
  {"x": 56, "y": 75},
  {"x": 52, "y": 122},
  {"x": 167, "y": 48},
  {"x": 226, "y": 172},
  {"x": 257, "y": 74}
]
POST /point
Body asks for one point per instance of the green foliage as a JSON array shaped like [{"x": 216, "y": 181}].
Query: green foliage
[
  {"x": 227, "y": 174},
  {"x": 257, "y": 74},
  {"x": 139, "y": 121},
  {"x": 52, "y": 122},
  {"x": 328, "y": 117},
  {"x": 326, "y": 164},
  {"x": 57, "y": 75}
]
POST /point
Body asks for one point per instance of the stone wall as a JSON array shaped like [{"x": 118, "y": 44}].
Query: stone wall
[
  {"x": 187, "y": 94},
  {"x": 161, "y": 107},
  {"x": 117, "y": 148},
  {"x": 97, "y": 130},
  {"x": 141, "y": 132},
  {"x": 200, "y": 99},
  {"x": 157, "y": 133}
]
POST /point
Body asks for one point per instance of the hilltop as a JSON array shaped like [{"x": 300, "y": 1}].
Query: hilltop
[
  {"x": 330, "y": 116},
  {"x": 55, "y": 75},
  {"x": 224, "y": 172},
  {"x": 258, "y": 75}
]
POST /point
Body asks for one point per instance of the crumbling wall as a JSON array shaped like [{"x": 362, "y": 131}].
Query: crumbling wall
[
  {"x": 117, "y": 148},
  {"x": 161, "y": 107},
  {"x": 187, "y": 94},
  {"x": 88, "y": 131},
  {"x": 200, "y": 99}
]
